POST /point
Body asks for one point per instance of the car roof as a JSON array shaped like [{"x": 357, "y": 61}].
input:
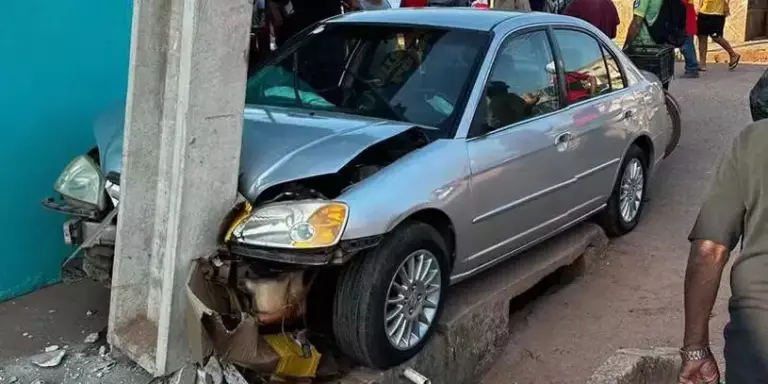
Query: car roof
[{"x": 446, "y": 17}]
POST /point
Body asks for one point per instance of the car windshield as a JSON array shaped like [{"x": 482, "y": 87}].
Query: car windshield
[{"x": 411, "y": 74}]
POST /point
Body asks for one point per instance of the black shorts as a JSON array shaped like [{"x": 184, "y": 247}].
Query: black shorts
[{"x": 710, "y": 25}]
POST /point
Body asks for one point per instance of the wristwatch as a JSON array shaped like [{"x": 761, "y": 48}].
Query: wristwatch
[{"x": 695, "y": 354}]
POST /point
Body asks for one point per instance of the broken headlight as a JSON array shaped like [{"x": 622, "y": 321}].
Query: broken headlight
[
  {"x": 82, "y": 181},
  {"x": 292, "y": 224}
]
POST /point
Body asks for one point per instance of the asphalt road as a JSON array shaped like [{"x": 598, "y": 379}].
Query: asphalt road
[{"x": 633, "y": 298}]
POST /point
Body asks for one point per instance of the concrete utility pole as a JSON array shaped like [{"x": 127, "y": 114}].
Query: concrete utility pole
[{"x": 180, "y": 165}]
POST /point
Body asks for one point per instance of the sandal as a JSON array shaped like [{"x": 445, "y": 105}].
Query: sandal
[
  {"x": 702, "y": 69},
  {"x": 734, "y": 63}
]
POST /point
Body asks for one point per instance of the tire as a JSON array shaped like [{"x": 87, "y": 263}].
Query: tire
[
  {"x": 97, "y": 263},
  {"x": 363, "y": 290},
  {"x": 611, "y": 219},
  {"x": 674, "y": 114}
]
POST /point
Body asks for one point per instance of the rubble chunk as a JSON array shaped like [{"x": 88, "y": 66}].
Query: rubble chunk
[
  {"x": 52, "y": 348},
  {"x": 92, "y": 338},
  {"x": 232, "y": 375},
  {"x": 49, "y": 359},
  {"x": 213, "y": 369}
]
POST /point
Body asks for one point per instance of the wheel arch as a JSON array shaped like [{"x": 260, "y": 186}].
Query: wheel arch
[
  {"x": 645, "y": 143},
  {"x": 438, "y": 220}
]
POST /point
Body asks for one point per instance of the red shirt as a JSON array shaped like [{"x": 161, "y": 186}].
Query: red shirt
[
  {"x": 600, "y": 13},
  {"x": 577, "y": 84},
  {"x": 690, "y": 18},
  {"x": 414, "y": 3}
]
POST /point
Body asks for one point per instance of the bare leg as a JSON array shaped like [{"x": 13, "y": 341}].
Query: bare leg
[
  {"x": 703, "y": 52},
  {"x": 726, "y": 45}
]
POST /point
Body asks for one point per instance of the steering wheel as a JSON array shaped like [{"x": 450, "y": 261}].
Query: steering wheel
[
  {"x": 377, "y": 95},
  {"x": 373, "y": 91}
]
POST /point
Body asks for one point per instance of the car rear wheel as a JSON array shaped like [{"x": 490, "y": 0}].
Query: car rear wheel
[
  {"x": 628, "y": 198},
  {"x": 388, "y": 300}
]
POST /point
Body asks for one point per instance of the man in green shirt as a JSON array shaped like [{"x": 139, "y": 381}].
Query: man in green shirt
[
  {"x": 644, "y": 11},
  {"x": 638, "y": 37},
  {"x": 735, "y": 209}
]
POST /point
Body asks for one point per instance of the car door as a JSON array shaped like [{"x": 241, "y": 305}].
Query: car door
[
  {"x": 599, "y": 107},
  {"x": 518, "y": 179}
]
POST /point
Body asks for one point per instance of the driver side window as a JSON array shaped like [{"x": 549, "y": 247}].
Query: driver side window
[{"x": 522, "y": 85}]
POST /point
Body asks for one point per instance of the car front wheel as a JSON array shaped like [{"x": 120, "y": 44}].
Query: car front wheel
[
  {"x": 388, "y": 300},
  {"x": 628, "y": 198}
]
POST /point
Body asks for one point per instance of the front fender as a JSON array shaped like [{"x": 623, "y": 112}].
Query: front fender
[{"x": 435, "y": 176}]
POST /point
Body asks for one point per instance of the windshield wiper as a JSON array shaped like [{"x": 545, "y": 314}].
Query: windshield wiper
[{"x": 295, "y": 70}]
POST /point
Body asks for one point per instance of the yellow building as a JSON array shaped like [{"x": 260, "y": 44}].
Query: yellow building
[{"x": 747, "y": 21}]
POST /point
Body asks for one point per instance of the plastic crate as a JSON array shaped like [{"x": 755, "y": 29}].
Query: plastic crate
[{"x": 657, "y": 60}]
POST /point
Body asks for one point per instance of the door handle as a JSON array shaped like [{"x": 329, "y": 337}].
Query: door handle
[{"x": 562, "y": 141}]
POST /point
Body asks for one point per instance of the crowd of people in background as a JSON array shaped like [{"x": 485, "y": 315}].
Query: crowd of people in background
[{"x": 282, "y": 19}]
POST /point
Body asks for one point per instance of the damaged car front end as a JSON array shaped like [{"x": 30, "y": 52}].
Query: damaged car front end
[
  {"x": 347, "y": 169},
  {"x": 88, "y": 193}
]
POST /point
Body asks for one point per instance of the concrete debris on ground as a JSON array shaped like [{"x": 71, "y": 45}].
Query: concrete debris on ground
[
  {"x": 213, "y": 370},
  {"x": 92, "y": 338},
  {"x": 52, "y": 348},
  {"x": 49, "y": 359},
  {"x": 232, "y": 375},
  {"x": 79, "y": 365}
]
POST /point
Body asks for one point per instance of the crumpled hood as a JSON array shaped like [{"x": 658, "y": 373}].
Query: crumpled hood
[
  {"x": 108, "y": 131},
  {"x": 279, "y": 144}
]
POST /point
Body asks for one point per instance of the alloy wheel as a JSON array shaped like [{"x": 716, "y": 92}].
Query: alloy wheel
[
  {"x": 631, "y": 192},
  {"x": 412, "y": 300}
]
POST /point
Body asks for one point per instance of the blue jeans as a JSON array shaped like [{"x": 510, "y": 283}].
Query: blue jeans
[{"x": 689, "y": 53}]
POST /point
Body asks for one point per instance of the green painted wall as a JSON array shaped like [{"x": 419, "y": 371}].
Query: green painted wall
[{"x": 61, "y": 64}]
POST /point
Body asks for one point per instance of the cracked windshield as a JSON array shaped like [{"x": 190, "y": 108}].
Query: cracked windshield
[{"x": 415, "y": 75}]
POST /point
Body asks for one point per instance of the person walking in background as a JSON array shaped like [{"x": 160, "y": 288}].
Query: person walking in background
[
  {"x": 688, "y": 50},
  {"x": 711, "y": 23},
  {"x": 600, "y": 13}
]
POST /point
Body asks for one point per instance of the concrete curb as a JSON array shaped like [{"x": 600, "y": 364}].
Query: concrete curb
[
  {"x": 639, "y": 366},
  {"x": 475, "y": 324}
]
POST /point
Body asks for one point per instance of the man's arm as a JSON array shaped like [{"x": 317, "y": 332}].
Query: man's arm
[
  {"x": 702, "y": 281},
  {"x": 716, "y": 232},
  {"x": 639, "y": 11},
  {"x": 634, "y": 30}
]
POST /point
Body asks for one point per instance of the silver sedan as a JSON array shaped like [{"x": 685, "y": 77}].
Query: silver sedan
[{"x": 413, "y": 148}]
